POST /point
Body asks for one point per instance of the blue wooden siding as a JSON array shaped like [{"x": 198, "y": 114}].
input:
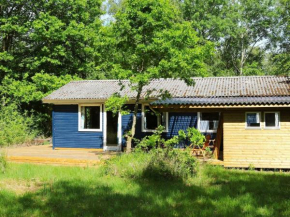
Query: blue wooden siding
[
  {"x": 176, "y": 122},
  {"x": 65, "y": 130}
]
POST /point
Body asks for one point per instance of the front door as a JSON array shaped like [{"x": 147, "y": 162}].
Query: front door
[{"x": 112, "y": 129}]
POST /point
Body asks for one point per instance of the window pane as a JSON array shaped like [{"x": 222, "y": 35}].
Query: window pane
[
  {"x": 209, "y": 121},
  {"x": 91, "y": 117},
  {"x": 151, "y": 120},
  {"x": 270, "y": 119},
  {"x": 253, "y": 120}
]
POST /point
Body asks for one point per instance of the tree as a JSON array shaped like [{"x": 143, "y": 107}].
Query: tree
[
  {"x": 237, "y": 28},
  {"x": 43, "y": 45},
  {"x": 152, "y": 41},
  {"x": 55, "y": 37},
  {"x": 281, "y": 40}
]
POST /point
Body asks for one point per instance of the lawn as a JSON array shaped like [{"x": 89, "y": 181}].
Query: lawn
[{"x": 39, "y": 190}]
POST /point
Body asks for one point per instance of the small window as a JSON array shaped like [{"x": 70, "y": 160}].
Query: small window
[
  {"x": 272, "y": 120},
  {"x": 90, "y": 118},
  {"x": 209, "y": 121},
  {"x": 253, "y": 120},
  {"x": 151, "y": 119}
]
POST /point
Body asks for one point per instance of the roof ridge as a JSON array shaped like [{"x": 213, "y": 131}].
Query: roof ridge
[{"x": 211, "y": 77}]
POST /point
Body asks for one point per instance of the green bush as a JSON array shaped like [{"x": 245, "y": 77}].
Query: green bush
[
  {"x": 155, "y": 157},
  {"x": 3, "y": 162},
  {"x": 156, "y": 163},
  {"x": 128, "y": 165},
  {"x": 14, "y": 127}
]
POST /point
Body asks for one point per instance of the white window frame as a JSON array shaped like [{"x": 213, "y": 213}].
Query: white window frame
[
  {"x": 260, "y": 121},
  {"x": 198, "y": 123},
  {"x": 143, "y": 121},
  {"x": 80, "y": 118},
  {"x": 277, "y": 127}
]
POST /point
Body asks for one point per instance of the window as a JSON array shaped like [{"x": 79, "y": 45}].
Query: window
[
  {"x": 272, "y": 120},
  {"x": 151, "y": 120},
  {"x": 90, "y": 118},
  {"x": 253, "y": 120},
  {"x": 208, "y": 122}
]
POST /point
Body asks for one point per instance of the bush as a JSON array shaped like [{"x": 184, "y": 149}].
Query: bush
[
  {"x": 128, "y": 165},
  {"x": 156, "y": 163},
  {"x": 14, "y": 127},
  {"x": 155, "y": 157},
  {"x": 3, "y": 162},
  {"x": 171, "y": 163}
]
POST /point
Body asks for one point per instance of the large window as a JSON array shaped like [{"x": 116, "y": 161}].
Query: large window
[
  {"x": 272, "y": 120},
  {"x": 90, "y": 118},
  {"x": 208, "y": 121},
  {"x": 253, "y": 120},
  {"x": 151, "y": 120}
]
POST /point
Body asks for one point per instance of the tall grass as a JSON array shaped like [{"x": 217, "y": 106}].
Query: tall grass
[
  {"x": 3, "y": 162},
  {"x": 15, "y": 128},
  {"x": 35, "y": 190},
  {"x": 157, "y": 163}
]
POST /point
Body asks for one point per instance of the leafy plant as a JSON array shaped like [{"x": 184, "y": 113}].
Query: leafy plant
[
  {"x": 116, "y": 104},
  {"x": 156, "y": 163},
  {"x": 14, "y": 127},
  {"x": 153, "y": 141}
]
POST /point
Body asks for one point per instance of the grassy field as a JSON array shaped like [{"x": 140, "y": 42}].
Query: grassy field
[{"x": 35, "y": 190}]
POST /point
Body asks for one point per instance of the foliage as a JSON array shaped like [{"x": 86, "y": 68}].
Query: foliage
[
  {"x": 237, "y": 28},
  {"x": 28, "y": 95},
  {"x": 127, "y": 165},
  {"x": 3, "y": 162},
  {"x": 195, "y": 136},
  {"x": 153, "y": 141},
  {"x": 156, "y": 163},
  {"x": 280, "y": 40},
  {"x": 54, "y": 37},
  {"x": 116, "y": 104},
  {"x": 14, "y": 127},
  {"x": 151, "y": 41},
  {"x": 43, "y": 45}
]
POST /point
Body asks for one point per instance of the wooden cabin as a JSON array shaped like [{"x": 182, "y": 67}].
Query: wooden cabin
[{"x": 248, "y": 117}]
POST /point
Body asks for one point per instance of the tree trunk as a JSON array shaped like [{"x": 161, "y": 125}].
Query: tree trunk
[{"x": 133, "y": 128}]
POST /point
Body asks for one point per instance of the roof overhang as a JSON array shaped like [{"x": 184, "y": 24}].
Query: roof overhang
[{"x": 222, "y": 102}]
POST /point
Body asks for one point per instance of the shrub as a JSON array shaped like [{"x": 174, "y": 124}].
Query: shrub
[
  {"x": 156, "y": 163},
  {"x": 14, "y": 127},
  {"x": 128, "y": 165},
  {"x": 3, "y": 162},
  {"x": 171, "y": 163}
]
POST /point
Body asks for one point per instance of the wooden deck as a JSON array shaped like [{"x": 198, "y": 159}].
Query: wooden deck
[{"x": 44, "y": 154}]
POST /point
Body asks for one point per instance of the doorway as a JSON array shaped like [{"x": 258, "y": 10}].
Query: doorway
[{"x": 112, "y": 129}]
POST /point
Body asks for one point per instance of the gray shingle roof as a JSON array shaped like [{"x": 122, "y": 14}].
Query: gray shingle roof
[
  {"x": 225, "y": 89},
  {"x": 281, "y": 100}
]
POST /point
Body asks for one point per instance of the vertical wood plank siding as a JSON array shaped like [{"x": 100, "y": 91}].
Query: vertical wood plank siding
[
  {"x": 65, "y": 130},
  {"x": 176, "y": 122},
  {"x": 262, "y": 148}
]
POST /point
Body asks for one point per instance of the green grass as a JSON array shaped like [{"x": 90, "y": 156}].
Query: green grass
[{"x": 35, "y": 190}]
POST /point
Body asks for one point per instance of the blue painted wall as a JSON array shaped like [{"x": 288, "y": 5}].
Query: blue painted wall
[
  {"x": 176, "y": 122},
  {"x": 66, "y": 135},
  {"x": 65, "y": 130}
]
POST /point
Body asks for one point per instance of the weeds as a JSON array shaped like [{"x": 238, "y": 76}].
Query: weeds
[
  {"x": 156, "y": 163},
  {"x": 3, "y": 162}
]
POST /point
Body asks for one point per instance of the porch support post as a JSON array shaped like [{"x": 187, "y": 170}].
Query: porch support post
[{"x": 105, "y": 129}]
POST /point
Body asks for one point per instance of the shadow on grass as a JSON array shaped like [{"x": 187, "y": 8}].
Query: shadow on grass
[{"x": 223, "y": 193}]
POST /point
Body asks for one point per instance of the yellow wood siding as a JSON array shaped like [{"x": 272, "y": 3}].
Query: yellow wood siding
[{"x": 262, "y": 148}]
